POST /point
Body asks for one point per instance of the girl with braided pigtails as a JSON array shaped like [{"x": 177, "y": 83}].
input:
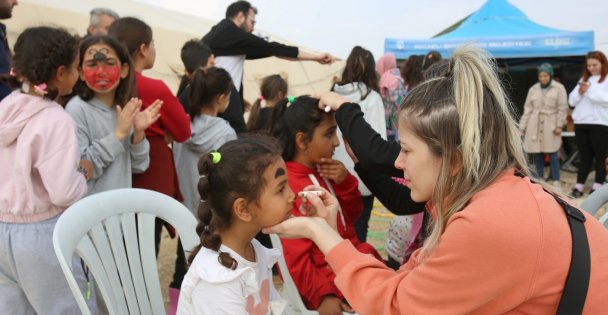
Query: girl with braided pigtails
[{"x": 243, "y": 188}]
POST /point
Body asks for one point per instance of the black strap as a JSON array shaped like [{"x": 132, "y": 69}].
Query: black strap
[{"x": 577, "y": 281}]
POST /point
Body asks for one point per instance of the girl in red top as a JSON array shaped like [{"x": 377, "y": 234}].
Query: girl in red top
[
  {"x": 174, "y": 124},
  {"x": 308, "y": 136}
]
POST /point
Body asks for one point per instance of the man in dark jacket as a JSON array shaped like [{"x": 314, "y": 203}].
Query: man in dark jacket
[{"x": 232, "y": 41}]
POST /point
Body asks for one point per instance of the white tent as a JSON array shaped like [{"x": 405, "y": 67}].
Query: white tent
[{"x": 171, "y": 29}]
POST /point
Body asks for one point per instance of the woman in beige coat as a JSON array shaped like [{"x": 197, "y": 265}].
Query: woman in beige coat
[{"x": 544, "y": 116}]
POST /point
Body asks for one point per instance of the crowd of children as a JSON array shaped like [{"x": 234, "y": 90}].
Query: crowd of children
[{"x": 122, "y": 129}]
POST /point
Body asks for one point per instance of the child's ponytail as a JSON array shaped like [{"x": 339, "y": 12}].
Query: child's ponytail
[
  {"x": 205, "y": 86},
  {"x": 254, "y": 114},
  {"x": 273, "y": 87},
  {"x": 39, "y": 52},
  {"x": 206, "y": 225}
]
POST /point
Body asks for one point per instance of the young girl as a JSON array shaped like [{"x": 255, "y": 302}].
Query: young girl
[
  {"x": 209, "y": 96},
  {"x": 173, "y": 125},
  {"x": 243, "y": 187},
  {"x": 273, "y": 90},
  {"x": 499, "y": 243},
  {"x": 110, "y": 136},
  {"x": 359, "y": 84},
  {"x": 40, "y": 174},
  {"x": 308, "y": 136}
]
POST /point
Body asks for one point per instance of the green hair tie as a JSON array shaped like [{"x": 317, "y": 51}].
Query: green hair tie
[
  {"x": 291, "y": 98},
  {"x": 216, "y": 157}
]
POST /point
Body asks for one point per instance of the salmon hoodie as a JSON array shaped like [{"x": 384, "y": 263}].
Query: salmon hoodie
[{"x": 39, "y": 154}]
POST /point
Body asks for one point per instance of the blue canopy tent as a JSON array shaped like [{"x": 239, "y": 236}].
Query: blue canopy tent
[
  {"x": 518, "y": 44},
  {"x": 504, "y": 31}
]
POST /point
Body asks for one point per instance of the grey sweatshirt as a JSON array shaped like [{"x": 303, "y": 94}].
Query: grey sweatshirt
[
  {"x": 113, "y": 161},
  {"x": 208, "y": 134}
]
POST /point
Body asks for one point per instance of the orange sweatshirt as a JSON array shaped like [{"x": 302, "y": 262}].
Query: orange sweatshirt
[{"x": 507, "y": 252}]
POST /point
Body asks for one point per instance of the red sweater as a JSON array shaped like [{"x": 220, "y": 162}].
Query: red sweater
[
  {"x": 173, "y": 118},
  {"x": 306, "y": 262}
]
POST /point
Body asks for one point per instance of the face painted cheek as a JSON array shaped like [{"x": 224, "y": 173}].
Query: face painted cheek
[{"x": 102, "y": 78}]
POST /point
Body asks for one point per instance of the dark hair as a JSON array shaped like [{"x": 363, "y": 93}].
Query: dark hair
[
  {"x": 239, "y": 174},
  {"x": 303, "y": 115},
  {"x": 430, "y": 58},
  {"x": 272, "y": 85},
  {"x": 205, "y": 85},
  {"x": 39, "y": 51},
  {"x": 599, "y": 56},
  {"x": 361, "y": 67},
  {"x": 240, "y": 6},
  {"x": 132, "y": 32},
  {"x": 126, "y": 88},
  {"x": 194, "y": 54},
  {"x": 412, "y": 71}
]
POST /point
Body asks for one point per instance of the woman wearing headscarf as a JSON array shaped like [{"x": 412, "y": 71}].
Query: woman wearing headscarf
[{"x": 541, "y": 124}]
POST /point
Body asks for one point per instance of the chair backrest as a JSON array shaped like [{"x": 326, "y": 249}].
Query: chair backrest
[
  {"x": 290, "y": 291},
  {"x": 595, "y": 201},
  {"x": 113, "y": 233}
]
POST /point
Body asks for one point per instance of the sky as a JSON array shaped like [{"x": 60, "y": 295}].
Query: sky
[{"x": 336, "y": 26}]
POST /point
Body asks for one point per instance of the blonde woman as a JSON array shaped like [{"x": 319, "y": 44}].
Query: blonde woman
[
  {"x": 498, "y": 243},
  {"x": 541, "y": 124}
]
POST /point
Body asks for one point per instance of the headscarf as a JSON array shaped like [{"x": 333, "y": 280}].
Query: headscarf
[
  {"x": 388, "y": 81},
  {"x": 548, "y": 69}
]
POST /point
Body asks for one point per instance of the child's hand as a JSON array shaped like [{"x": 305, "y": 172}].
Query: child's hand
[
  {"x": 332, "y": 169},
  {"x": 331, "y": 305},
  {"x": 88, "y": 167},
  {"x": 145, "y": 118},
  {"x": 125, "y": 116}
]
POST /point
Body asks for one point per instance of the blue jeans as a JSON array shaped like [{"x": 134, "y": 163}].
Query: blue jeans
[{"x": 539, "y": 162}]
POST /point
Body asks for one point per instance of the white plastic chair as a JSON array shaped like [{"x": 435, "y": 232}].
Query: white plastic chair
[
  {"x": 596, "y": 201},
  {"x": 290, "y": 291},
  {"x": 113, "y": 232}
]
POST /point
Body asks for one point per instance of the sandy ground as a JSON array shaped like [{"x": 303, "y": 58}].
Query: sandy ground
[{"x": 376, "y": 236}]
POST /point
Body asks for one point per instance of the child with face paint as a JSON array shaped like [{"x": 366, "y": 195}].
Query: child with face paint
[
  {"x": 110, "y": 122},
  {"x": 243, "y": 186}
]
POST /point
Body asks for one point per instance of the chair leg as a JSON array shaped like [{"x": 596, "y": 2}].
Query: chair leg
[{"x": 173, "y": 298}]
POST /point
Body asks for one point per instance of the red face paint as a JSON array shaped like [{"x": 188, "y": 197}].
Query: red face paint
[{"x": 101, "y": 77}]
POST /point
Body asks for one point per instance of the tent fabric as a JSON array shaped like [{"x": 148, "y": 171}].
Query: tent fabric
[
  {"x": 171, "y": 30},
  {"x": 503, "y": 30}
]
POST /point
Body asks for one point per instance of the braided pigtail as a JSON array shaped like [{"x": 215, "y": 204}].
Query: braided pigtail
[{"x": 208, "y": 223}]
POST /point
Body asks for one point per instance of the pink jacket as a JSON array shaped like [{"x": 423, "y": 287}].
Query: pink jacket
[
  {"x": 507, "y": 252},
  {"x": 39, "y": 154}
]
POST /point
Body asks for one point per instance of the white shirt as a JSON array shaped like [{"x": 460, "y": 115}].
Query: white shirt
[
  {"x": 211, "y": 288},
  {"x": 234, "y": 65}
]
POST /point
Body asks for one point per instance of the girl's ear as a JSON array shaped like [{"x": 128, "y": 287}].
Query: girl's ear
[
  {"x": 124, "y": 70},
  {"x": 301, "y": 140},
  {"x": 143, "y": 50},
  {"x": 61, "y": 73},
  {"x": 222, "y": 98},
  {"x": 241, "y": 210}
]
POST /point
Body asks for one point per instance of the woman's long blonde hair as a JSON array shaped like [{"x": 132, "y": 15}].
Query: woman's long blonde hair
[{"x": 465, "y": 118}]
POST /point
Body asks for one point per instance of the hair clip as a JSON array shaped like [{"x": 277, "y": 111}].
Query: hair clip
[
  {"x": 290, "y": 100},
  {"x": 216, "y": 157},
  {"x": 207, "y": 228},
  {"x": 40, "y": 89},
  {"x": 202, "y": 176},
  {"x": 261, "y": 97}
]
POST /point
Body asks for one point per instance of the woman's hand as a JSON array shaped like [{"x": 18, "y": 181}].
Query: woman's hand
[
  {"x": 125, "y": 116},
  {"x": 324, "y": 206},
  {"x": 332, "y": 169},
  {"x": 583, "y": 87},
  {"x": 145, "y": 118},
  {"x": 331, "y": 100},
  {"x": 557, "y": 130}
]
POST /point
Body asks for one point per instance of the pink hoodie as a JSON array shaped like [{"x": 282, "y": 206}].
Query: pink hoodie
[{"x": 39, "y": 154}]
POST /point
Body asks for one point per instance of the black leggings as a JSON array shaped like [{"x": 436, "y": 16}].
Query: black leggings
[{"x": 592, "y": 142}]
